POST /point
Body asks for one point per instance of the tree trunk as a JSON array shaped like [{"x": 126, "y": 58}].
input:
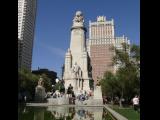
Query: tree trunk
[
  {"x": 120, "y": 103},
  {"x": 112, "y": 97},
  {"x": 120, "y": 100}
]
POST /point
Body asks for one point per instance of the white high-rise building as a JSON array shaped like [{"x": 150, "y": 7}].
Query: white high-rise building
[{"x": 26, "y": 26}]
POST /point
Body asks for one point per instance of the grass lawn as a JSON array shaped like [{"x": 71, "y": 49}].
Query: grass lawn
[{"x": 127, "y": 112}]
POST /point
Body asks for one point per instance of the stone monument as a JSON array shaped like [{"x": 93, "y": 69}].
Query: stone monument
[
  {"x": 76, "y": 67},
  {"x": 98, "y": 95},
  {"x": 76, "y": 58},
  {"x": 40, "y": 91}
]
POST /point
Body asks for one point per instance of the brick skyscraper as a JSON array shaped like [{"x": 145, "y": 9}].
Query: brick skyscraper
[{"x": 101, "y": 40}]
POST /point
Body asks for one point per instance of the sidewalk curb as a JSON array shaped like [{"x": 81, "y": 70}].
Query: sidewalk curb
[{"x": 115, "y": 114}]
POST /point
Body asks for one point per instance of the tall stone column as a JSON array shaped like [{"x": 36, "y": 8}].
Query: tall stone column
[
  {"x": 77, "y": 54},
  {"x": 68, "y": 62}
]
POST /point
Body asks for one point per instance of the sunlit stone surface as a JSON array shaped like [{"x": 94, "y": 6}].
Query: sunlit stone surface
[{"x": 76, "y": 58}]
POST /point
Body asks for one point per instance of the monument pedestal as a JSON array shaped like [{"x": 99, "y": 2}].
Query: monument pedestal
[
  {"x": 58, "y": 101},
  {"x": 40, "y": 93},
  {"x": 86, "y": 85},
  {"x": 98, "y": 100}
]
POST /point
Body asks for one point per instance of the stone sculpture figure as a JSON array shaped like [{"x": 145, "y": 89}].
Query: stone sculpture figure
[
  {"x": 40, "y": 91},
  {"x": 77, "y": 72},
  {"x": 78, "y": 17},
  {"x": 40, "y": 82}
]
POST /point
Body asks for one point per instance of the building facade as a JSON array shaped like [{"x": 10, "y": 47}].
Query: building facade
[
  {"x": 26, "y": 26},
  {"x": 100, "y": 46},
  {"x": 20, "y": 44}
]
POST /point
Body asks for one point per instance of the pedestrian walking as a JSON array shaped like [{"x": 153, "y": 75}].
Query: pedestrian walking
[{"x": 135, "y": 101}]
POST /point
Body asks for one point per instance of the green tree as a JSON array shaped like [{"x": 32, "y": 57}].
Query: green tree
[
  {"x": 47, "y": 83},
  {"x": 108, "y": 84},
  {"x": 27, "y": 82},
  {"x": 128, "y": 71},
  {"x": 125, "y": 82},
  {"x": 60, "y": 86}
]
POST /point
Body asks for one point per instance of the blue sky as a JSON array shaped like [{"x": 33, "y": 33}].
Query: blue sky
[{"x": 54, "y": 20}]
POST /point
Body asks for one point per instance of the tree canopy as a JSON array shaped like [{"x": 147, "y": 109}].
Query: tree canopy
[
  {"x": 125, "y": 83},
  {"x": 27, "y": 81}
]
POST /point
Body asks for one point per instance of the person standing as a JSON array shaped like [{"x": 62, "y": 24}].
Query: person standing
[
  {"x": 135, "y": 103},
  {"x": 105, "y": 99},
  {"x": 25, "y": 98},
  {"x": 53, "y": 90}
]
